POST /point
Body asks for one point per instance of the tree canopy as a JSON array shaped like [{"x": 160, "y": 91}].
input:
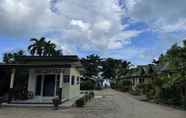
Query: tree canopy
[{"x": 41, "y": 47}]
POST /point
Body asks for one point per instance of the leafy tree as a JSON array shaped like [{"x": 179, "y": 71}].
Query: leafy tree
[
  {"x": 38, "y": 47},
  {"x": 173, "y": 78},
  {"x": 114, "y": 68},
  {"x": 50, "y": 49},
  {"x": 92, "y": 66},
  {"x": 41, "y": 47},
  {"x": 9, "y": 57}
]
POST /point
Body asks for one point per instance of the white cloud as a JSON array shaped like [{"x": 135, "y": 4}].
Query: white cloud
[
  {"x": 76, "y": 23},
  {"x": 161, "y": 15},
  {"x": 122, "y": 39},
  {"x": 115, "y": 45},
  {"x": 84, "y": 26},
  {"x": 103, "y": 25}
]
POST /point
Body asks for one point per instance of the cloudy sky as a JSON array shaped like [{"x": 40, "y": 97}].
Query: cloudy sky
[{"x": 136, "y": 30}]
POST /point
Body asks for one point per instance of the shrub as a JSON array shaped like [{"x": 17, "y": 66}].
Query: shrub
[
  {"x": 122, "y": 85},
  {"x": 56, "y": 102},
  {"x": 140, "y": 88},
  {"x": 83, "y": 100},
  {"x": 92, "y": 94},
  {"x": 98, "y": 87},
  {"x": 80, "y": 102},
  {"x": 150, "y": 94},
  {"x": 134, "y": 92},
  {"x": 113, "y": 85},
  {"x": 87, "y": 85}
]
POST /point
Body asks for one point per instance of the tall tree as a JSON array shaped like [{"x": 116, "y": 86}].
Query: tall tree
[
  {"x": 114, "y": 68},
  {"x": 41, "y": 47},
  {"x": 50, "y": 49},
  {"x": 38, "y": 46},
  {"x": 92, "y": 65}
]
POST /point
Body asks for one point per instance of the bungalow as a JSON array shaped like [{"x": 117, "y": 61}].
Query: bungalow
[
  {"x": 47, "y": 77},
  {"x": 139, "y": 75}
]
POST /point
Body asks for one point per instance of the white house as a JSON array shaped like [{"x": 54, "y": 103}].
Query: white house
[{"x": 48, "y": 77}]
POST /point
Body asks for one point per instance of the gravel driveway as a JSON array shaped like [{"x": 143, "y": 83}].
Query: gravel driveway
[{"x": 107, "y": 104}]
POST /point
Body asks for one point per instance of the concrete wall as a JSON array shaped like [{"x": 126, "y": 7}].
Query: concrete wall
[
  {"x": 32, "y": 81},
  {"x": 74, "y": 90}
]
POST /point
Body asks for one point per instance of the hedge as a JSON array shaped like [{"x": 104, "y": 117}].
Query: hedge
[{"x": 83, "y": 100}]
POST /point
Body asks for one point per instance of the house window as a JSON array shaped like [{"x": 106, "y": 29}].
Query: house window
[
  {"x": 78, "y": 80},
  {"x": 72, "y": 80},
  {"x": 66, "y": 78}
]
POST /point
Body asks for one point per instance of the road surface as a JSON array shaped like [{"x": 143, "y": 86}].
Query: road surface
[
  {"x": 115, "y": 104},
  {"x": 107, "y": 104}
]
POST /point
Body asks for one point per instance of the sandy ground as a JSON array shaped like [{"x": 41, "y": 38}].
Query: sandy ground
[{"x": 107, "y": 104}]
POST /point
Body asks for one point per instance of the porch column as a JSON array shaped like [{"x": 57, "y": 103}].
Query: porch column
[
  {"x": 60, "y": 85},
  {"x": 12, "y": 77}
]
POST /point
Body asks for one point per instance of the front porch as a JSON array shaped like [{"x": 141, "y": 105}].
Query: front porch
[
  {"x": 36, "y": 100},
  {"x": 41, "y": 103},
  {"x": 43, "y": 85}
]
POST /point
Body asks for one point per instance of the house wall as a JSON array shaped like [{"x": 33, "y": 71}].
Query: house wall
[
  {"x": 74, "y": 90},
  {"x": 33, "y": 76},
  {"x": 66, "y": 86}
]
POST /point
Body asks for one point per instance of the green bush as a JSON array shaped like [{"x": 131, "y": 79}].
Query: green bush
[
  {"x": 92, "y": 94},
  {"x": 56, "y": 102},
  {"x": 140, "y": 88},
  {"x": 134, "y": 92},
  {"x": 87, "y": 85},
  {"x": 150, "y": 94},
  {"x": 83, "y": 100},
  {"x": 122, "y": 85},
  {"x": 80, "y": 102},
  {"x": 113, "y": 85}
]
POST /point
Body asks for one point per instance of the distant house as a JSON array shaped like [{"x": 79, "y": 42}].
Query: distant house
[
  {"x": 139, "y": 75},
  {"x": 48, "y": 77},
  {"x": 143, "y": 74},
  {"x": 106, "y": 83}
]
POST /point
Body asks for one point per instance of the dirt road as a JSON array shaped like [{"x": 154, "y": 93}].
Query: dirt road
[{"x": 107, "y": 104}]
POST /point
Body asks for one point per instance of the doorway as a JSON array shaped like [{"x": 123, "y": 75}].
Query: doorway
[
  {"x": 46, "y": 85},
  {"x": 49, "y": 85}
]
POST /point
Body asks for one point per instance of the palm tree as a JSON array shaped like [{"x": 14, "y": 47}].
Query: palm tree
[
  {"x": 38, "y": 47},
  {"x": 50, "y": 49},
  {"x": 42, "y": 47}
]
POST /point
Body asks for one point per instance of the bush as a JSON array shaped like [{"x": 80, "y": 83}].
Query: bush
[
  {"x": 150, "y": 94},
  {"x": 80, "y": 102},
  {"x": 87, "y": 85},
  {"x": 56, "y": 102},
  {"x": 113, "y": 85},
  {"x": 83, "y": 100},
  {"x": 122, "y": 85},
  {"x": 135, "y": 93},
  {"x": 92, "y": 94}
]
